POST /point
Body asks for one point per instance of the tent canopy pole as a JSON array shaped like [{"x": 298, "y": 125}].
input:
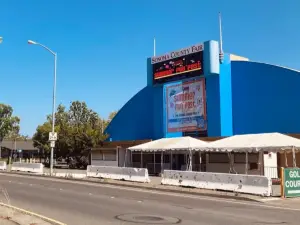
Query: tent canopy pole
[
  {"x": 161, "y": 163},
  {"x": 286, "y": 162},
  {"x": 294, "y": 157},
  {"x": 124, "y": 164},
  {"x": 200, "y": 159},
  {"x": 246, "y": 163}
]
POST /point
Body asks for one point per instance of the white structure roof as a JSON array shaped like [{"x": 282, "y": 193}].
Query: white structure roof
[
  {"x": 180, "y": 143},
  {"x": 254, "y": 142}
]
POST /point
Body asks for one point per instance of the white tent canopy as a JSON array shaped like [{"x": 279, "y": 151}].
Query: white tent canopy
[
  {"x": 275, "y": 142},
  {"x": 165, "y": 144}
]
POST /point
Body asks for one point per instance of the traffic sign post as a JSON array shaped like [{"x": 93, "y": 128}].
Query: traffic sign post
[
  {"x": 52, "y": 136},
  {"x": 290, "y": 182}
]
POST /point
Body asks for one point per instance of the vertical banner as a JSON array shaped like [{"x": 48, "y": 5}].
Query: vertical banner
[{"x": 186, "y": 109}]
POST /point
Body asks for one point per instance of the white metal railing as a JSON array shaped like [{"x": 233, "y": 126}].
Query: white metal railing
[{"x": 271, "y": 172}]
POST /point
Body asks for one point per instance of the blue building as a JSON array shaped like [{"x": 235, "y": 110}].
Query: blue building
[{"x": 191, "y": 92}]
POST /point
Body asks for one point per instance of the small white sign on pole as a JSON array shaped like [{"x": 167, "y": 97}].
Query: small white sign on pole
[
  {"x": 52, "y": 136},
  {"x": 52, "y": 144}
]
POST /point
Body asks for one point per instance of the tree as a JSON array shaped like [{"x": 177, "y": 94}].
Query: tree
[
  {"x": 15, "y": 135},
  {"x": 9, "y": 124},
  {"x": 85, "y": 128},
  {"x": 79, "y": 129},
  {"x": 41, "y": 136},
  {"x": 110, "y": 118},
  {"x": 112, "y": 115}
]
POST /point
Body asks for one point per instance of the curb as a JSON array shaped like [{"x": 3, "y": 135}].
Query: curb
[
  {"x": 49, "y": 220},
  {"x": 215, "y": 195}
]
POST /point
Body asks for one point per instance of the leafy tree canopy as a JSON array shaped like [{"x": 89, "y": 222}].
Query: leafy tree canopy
[
  {"x": 79, "y": 129},
  {"x": 9, "y": 124},
  {"x": 110, "y": 117}
]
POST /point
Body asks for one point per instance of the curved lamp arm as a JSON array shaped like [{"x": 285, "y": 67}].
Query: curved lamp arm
[{"x": 45, "y": 47}]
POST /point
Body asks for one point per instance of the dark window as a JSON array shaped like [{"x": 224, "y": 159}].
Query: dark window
[{"x": 218, "y": 158}]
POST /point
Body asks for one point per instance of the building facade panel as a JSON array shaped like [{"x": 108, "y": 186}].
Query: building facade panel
[{"x": 265, "y": 98}]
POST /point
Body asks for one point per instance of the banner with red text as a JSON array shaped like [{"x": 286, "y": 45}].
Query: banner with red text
[{"x": 186, "y": 106}]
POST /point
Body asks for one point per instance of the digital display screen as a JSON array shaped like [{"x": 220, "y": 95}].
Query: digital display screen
[{"x": 191, "y": 64}]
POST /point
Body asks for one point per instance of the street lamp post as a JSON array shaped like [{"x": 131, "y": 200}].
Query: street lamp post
[{"x": 53, "y": 99}]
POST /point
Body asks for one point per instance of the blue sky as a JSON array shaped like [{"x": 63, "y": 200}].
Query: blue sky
[{"x": 102, "y": 46}]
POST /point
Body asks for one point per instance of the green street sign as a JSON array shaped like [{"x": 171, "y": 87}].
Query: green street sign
[{"x": 291, "y": 182}]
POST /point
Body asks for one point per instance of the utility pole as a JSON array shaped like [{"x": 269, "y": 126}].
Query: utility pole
[{"x": 53, "y": 134}]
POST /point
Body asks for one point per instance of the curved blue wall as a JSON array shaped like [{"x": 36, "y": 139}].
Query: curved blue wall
[
  {"x": 135, "y": 120},
  {"x": 144, "y": 115},
  {"x": 265, "y": 98}
]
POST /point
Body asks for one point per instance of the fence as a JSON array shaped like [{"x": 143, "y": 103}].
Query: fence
[{"x": 272, "y": 172}]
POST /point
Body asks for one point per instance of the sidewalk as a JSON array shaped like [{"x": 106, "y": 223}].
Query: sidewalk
[{"x": 9, "y": 216}]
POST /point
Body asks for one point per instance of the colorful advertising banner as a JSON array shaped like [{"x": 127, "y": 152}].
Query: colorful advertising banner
[{"x": 186, "y": 106}]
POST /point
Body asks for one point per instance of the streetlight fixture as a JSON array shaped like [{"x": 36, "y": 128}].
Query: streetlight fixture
[
  {"x": 54, "y": 136},
  {"x": 1, "y": 39}
]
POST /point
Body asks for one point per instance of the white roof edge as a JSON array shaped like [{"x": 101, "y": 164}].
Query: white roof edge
[{"x": 234, "y": 57}]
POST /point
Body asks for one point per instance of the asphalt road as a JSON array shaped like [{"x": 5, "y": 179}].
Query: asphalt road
[{"x": 87, "y": 204}]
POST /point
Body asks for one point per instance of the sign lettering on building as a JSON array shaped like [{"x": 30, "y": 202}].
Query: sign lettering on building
[
  {"x": 186, "y": 62},
  {"x": 291, "y": 182}
]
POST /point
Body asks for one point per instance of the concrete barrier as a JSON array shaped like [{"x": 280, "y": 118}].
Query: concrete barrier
[
  {"x": 28, "y": 167},
  {"x": 251, "y": 184},
  {"x": 119, "y": 173},
  {"x": 3, "y": 165}
]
